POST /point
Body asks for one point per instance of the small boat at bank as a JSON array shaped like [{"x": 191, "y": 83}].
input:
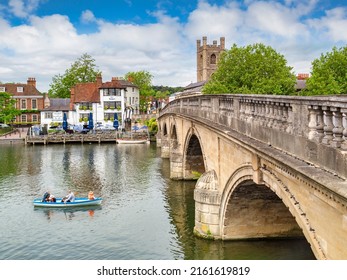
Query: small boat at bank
[
  {"x": 79, "y": 201},
  {"x": 132, "y": 141}
]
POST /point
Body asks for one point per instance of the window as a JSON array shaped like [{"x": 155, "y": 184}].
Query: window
[
  {"x": 19, "y": 89},
  {"x": 23, "y": 118},
  {"x": 86, "y": 106},
  {"x": 48, "y": 115},
  {"x": 33, "y": 104},
  {"x": 108, "y": 116},
  {"x": 23, "y": 104},
  {"x": 2, "y": 89},
  {"x": 213, "y": 59},
  {"x": 84, "y": 117},
  {"x": 111, "y": 105},
  {"x": 106, "y": 92},
  {"x": 35, "y": 118}
]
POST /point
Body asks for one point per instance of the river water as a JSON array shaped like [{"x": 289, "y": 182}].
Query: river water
[{"x": 144, "y": 215}]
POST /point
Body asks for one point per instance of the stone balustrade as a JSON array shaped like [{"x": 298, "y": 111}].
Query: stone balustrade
[{"x": 312, "y": 128}]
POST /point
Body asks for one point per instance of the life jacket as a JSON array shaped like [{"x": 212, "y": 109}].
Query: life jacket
[{"x": 91, "y": 195}]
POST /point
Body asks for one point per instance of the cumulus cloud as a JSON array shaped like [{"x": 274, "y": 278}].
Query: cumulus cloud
[
  {"x": 23, "y": 8},
  {"x": 332, "y": 25},
  {"x": 88, "y": 16},
  {"x": 47, "y": 46}
]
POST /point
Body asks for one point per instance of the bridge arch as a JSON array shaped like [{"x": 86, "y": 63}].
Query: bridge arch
[
  {"x": 265, "y": 209},
  {"x": 193, "y": 156},
  {"x": 173, "y": 136}
]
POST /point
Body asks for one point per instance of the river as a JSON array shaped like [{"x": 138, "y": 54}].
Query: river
[{"x": 144, "y": 214}]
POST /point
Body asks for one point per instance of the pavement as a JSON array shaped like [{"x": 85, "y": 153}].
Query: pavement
[{"x": 18, "y": 134}]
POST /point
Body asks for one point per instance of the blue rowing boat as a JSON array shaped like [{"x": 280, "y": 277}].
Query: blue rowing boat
[{"x": 79, "y": 201}]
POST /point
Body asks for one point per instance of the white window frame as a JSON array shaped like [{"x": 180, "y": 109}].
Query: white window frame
[
  {"x": 24, "y": 118},
  {"x": 25, "y": 104},
  {"x": 20, "y": 89},
  {"x": 35, "y": 118},
  {"x": 32, "y": 104}
]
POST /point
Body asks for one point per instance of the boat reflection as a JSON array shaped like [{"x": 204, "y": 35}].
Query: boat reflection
[{"x": 68, "y": 213}]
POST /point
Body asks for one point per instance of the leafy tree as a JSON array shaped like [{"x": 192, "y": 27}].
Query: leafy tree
[
  {"x": 161, "y": 94},
  {"x": 329, "y": 73},
  {"x": 256, "y": 69},
  {"x": 167, "y": 90},
  {"x": 143, "y": 79},
  {"x": 7, "y": 109},
  {"x": 152, "y": 125},
  {"x": 81, "y": 71}
]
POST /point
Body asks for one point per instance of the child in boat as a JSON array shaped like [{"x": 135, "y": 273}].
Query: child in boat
[{"x": 91, "y": 195}]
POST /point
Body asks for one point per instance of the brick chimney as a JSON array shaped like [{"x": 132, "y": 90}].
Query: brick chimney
[
  {"x": 99, "y": 81},
  {"x": 72, "y": 98},
  {"x": 31, "y": 82}
]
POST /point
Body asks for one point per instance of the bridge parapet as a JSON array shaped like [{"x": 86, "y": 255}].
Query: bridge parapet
[{"x": 313, "y": 129}]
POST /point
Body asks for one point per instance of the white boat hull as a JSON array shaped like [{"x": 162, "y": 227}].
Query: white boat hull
[{"x": 132, "y": 141}]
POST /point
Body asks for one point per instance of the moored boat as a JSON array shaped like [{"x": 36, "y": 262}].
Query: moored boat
[
  {"x": 79, "y": 201},
  {"x": 132, "y": 141}
]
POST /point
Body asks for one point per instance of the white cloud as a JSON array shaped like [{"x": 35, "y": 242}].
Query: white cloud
[
  {"x": 214, "y": 21},
  {"x": 332, "y": 25},
  {"x": 47, "y": 46},
  {"x": 88, "y": 16},
  {"x": 274, "y": 19},
  {"x": 23, "y": 8}
]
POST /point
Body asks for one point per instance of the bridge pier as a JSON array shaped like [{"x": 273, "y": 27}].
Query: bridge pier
[
  {"x": 176, "y": 166},
  {"x": 207, "y": 206},
  {"x": 165, "y": 148}
]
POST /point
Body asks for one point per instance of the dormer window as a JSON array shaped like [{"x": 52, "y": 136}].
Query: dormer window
[
  {"x": 2, "y": 89},
  {"x": 19, "y": 89}
]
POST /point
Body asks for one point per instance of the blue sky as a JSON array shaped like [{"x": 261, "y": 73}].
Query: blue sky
[{"x": 42, "y": 38}]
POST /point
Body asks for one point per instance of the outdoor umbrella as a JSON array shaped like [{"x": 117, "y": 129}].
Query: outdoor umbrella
[
  {"x": 65, "y": 122},
  {"x": 90, "y": 121},
  {"x": 115, "y": 121}
]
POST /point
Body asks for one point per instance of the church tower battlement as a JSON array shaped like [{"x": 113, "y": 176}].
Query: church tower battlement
[{"x": 207, "y": 57}]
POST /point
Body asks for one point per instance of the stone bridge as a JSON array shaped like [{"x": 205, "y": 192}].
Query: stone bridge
[{"x": 267, "y": 166}]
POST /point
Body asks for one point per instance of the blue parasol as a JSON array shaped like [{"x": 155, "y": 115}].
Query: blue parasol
[
  {"x": 90, "y": 121},
  {"x": 115, "y": 121},
  {"x": 65, "y": 122}
]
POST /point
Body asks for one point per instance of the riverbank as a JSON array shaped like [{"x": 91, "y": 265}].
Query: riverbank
[{"x": 16, "y": 136}]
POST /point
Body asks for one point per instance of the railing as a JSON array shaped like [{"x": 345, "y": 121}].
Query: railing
[{"x": 313, "y": 128}]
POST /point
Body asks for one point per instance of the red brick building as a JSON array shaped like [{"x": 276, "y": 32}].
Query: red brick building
[{"x": 28, "y": 99}]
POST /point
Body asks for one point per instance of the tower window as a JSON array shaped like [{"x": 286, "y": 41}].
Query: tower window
[{"x": 213, "y": 59}]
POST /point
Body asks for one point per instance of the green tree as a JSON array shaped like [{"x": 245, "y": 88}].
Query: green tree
[
  {"x": 329, "y": 73},
  {"x": 143, "y": 79},
  {"x": 7, "y": 109},
  {"x": 83, "y": 70},
  {"x": 256, "y": 69}
]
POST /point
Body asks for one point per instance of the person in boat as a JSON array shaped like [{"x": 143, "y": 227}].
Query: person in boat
[
  {"x": 45, "y": 196},
  {"x": 52, "y": 198},
  {"x": 91, "y": 195},
  {"x": 70, "y": 197}
]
